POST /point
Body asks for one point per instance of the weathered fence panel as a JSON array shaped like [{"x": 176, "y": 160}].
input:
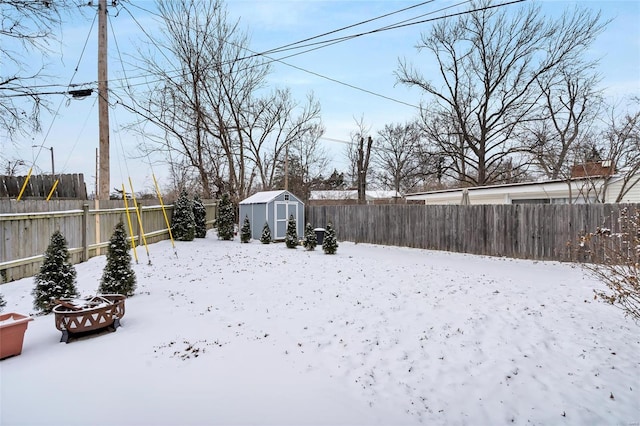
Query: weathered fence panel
[
  {"x": 527, "y": 231},
  {"x": 69, "y": 186},
  {"x": 87, "y": 227}
]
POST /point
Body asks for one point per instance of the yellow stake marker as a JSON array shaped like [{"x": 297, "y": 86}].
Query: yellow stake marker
[
  {"x": 126, "y": 207},
  {"x": 166, "y": 219},
  {"x": 135, "y": 204},
  {"x": 24, "y": 185},
  {"x": 53, "y": 188}
]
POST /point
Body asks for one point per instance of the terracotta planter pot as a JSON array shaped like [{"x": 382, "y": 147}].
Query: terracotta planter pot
[{"x": 12, "y": 329}]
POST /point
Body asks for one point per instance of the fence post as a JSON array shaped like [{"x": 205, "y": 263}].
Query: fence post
[
  {"x": 98, "y": 238},
  {"x": 85, "y": 231}
]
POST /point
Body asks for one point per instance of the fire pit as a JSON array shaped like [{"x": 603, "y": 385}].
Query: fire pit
[{"x": 75, "y": 317}]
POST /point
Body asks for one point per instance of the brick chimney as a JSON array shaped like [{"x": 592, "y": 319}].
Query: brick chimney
[{"x": 600, "y": 168}]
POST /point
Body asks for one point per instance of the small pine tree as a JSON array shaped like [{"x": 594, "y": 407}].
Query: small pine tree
[
  {"x": 330, "y": 244},
  {"x": 266, "y": 234},
  {"x": 291, "y": 239},
  {"x": 245, "y": 232},
  {"x": 200, "y": 217},
  {"x": 183, "y": 223},
  {"x": 57, "y": 276},
  {"x": 3, "y": 303},
  {"x": 225, "y": 218},
  {"x": 310, "y": 239},
  {"x": 118, "y": 277}
]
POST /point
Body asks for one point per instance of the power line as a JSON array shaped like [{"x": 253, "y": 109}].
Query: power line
[
  {"x": 402, "y": 24},
  {"x": 256, "y": 54},
  {"x": 327, "y": 43},
  {"x": 53, "y": 120},
  {"x": 349, "y": 37},
  {"x": 324, "y": 43}
]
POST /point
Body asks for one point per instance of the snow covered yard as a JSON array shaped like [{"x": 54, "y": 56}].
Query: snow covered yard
[{"x": 231, "y": 333}]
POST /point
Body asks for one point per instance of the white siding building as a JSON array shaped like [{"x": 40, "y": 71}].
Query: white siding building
[{"x": 573, "y": 191}]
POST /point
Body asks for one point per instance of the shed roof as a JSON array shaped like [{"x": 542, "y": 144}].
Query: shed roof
[{"x": 262, "y": 197}]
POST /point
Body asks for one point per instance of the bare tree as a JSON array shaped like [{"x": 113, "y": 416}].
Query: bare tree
[
  {"x": 607, "y": 159},
  {"x": 276, "y": 124},
  {"x": 570, "y": 104},
  {"x": 11, "y": 167},
  {"x": 397, "y": 156},
  {"x": 489, "y": 63},
  {"x": 204, "y": 84},
  {"x": 211, "y": 103},
  {"x": 181, "y": 65},
  {"x": 26, "y": 28},
  {"x": 308, "y": 162},
  {"x": 359, "y": 155},
  {"x": 444, "y": 142},
  {"x": 621, "y": 136}
]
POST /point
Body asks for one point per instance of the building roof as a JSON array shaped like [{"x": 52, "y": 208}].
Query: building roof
[
  {"x": 576, "y": 190},
  {"x": 502, "y": 186},
  {"x": 352, "y": 194}
]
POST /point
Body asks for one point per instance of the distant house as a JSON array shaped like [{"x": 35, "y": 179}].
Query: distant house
[
  {"x": 337, "y": 197},
  {"x": 590, "y": 184},
  {"x": 274, "y": 208}
]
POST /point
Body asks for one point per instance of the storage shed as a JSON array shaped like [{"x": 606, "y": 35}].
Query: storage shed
[{"x": 274, "y": 208}]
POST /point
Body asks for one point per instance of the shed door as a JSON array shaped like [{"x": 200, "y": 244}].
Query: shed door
[{"x": 282, "y": 211}]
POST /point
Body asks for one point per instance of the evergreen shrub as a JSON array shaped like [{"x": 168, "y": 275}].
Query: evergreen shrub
[
  {"x": 226, "y": 218},
  {"x": 310, "y": 238},
  {"x": 266, "y": 234},
  {"x": 291, "y": 238},
  {"x": 57, "y": 276},
  {"x": 200, "y": 217},
  {"x": 183, "y": 222},
  {"x": 330, "y": 244},
  {"x": 118, "y": 276},
  {"x": 245, "y": 232}
]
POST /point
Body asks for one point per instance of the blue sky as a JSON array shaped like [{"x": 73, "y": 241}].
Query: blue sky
[{"x": 367, "y": 62}]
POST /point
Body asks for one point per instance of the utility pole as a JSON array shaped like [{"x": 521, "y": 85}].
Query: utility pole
[
  {"x": 362, "y": 164},
  {"x": 286, "y": 167},
  {"x": 53, "y": 165},
  {"x": 103, "y": 103}
]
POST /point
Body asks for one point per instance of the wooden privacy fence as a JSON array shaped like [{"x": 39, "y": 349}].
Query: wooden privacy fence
[
  {"x": 526, "y": 231},
  {"x": 26, "y": 229},
  {"x": 69, "y": 186}
]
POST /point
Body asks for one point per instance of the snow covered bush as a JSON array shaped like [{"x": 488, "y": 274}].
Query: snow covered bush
[
  {"x": 117, "y": 276},
  {"x": 3, "y": 303},
  {"x": 183, "y": 223},
  {"x": 266, "y": 234},
  {"x": 330, "y": 244},
  {"x": 615, "y": 260},
  {"x": 310, "y": 239},
  {"x": 57, "y": 276},
  {"x": 245, "y": 232},
  {"x": 200, "y": 217},
  {"x": 291, "y": 238},
  {"x": 226, "y": 218}
]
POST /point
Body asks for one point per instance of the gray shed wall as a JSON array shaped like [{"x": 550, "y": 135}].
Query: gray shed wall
[
  {"x": 257, "y": 218},
  {"x": 259, "y": 213}
]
